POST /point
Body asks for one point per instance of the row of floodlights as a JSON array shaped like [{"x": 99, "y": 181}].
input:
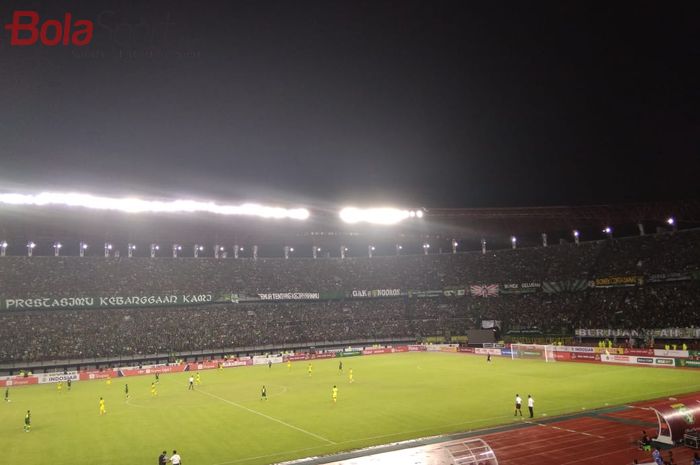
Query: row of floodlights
[
  {"x": 384, "y": 215},
  {"x": 218, "y": 248}
]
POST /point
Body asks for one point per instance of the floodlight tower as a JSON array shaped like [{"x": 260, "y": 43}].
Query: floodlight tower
[
  {"x": 57, "y": 249},
  {"x": 608, "y": 231},
  {"x": 513, "y": 242},
  {"x": 255, "y": 252},
  {"x": 483, "y": 246},
  {"x": 176, "y": 249},
  {"x": 455, "y": 244},
  {"x": 426, "y": 248},
  {"x": 286, "y": 249},
  {"x": 130, "y": 249},
  {"x": 235, "y": 251},
  {"x": 671, "y": 221},
  {"x": 3, "y": 248},
  {"x": 83, "y": 248},
  {"x": 343, "y": 251},
  {"x": 219, "y": 251},
  {"x": 640, "y": 226},
  {"x": 30, "y": 248},
  {"x": 108, "y": 249},
  {"x": 314, "y": 252},
  {"x": 398, "y": 249},
  {"x": 196, "y": 249},
  {"x": 577, "y": 236},
  {"x": 370, "y": 249},
  {"x": 544, "y": 239},
  {"x": 154, "y": 249}
]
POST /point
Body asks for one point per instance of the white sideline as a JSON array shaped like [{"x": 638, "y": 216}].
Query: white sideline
[{"x": 266, "y": 416}]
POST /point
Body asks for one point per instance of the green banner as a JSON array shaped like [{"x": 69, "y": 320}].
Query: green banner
[
  {"x": 572, "y": 285},
  {"x": 682, "y": 362},
  {"x": 519, "y": 288},
  {"x": 349, "y": 353},
  {"x": 114, "y": 301}
]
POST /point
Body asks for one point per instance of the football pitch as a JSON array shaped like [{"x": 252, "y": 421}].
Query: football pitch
[{"x": 224, "y": 421}]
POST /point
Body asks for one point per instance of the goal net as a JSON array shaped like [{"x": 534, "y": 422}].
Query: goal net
[{"x": 533, "y": 351}]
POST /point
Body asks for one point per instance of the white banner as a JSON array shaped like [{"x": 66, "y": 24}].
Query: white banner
[
  {"x": 263, "y": 360},
  {"x": 45, "y": 378},
  {"x": 671, "y": 353},
  {"x": 482, "y": 351}
]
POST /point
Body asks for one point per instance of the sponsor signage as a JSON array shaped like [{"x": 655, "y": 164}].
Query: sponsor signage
[
  {"x": 664, "y": 361},
  {"x": 19, "y": 381},
  {"x": 264, "y": 360},
  {"x": 645, "y": 360},
  {"x": 483, "y": 351},
  {"x": 638, "y": 351},
  {"x": 584, "y": 356},
  {"x": 45, "y": 378},
  {"x": 681, "y": 362},
  {"x": 349, "y": 353},
  {"x": 377, "y": 350},
  {"x": 671, "y": 353}
]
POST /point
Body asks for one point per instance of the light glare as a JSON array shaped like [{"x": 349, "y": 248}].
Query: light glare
[
  {"x": 134, "y": 205},
  {"x": 380, "y": 215}
]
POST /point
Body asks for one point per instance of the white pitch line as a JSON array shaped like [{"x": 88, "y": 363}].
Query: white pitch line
[{"x": 266, "y": 416}]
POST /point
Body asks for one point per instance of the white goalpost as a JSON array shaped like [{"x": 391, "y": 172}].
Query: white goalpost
[{"x": 533, "y": 351}]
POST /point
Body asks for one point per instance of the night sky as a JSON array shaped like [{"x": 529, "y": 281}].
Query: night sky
[{"x": 436, "y": 104}]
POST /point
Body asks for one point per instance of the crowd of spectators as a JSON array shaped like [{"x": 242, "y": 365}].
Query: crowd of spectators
[{"x": 29, "y": 335}]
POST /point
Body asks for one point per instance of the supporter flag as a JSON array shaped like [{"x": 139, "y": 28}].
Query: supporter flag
[
  {"x": 484, "y": 290},
  {"x": 573, "y": 285}
]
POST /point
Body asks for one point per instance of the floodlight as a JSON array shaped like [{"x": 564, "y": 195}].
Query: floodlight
[
  {"x": 513, "y": 241},
  {"x": 576, "y": 233},
  {"x": 30, "y": 248},
  {"x": 419, "y": 213},
  {"x": 291, "y": 249},
  {"x": 57, "y": 249},
  {"x": 134, "y": 205},
  {"x": 83, "y": 247},
  {"x": 3, "y": 248},
  {"x": 380, "y": 215},
  {"x": 671, "y": 221},
  {"x": 577, "y": 236},
  {"x": 154, "y": 248}
]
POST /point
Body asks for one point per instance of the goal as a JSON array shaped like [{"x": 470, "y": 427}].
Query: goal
[{"x": 533, "y": 351}]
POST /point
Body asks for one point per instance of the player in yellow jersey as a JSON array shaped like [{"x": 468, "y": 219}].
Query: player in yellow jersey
[
  {"x": 350, "y": 378},
  {"x": 103, "y": 410},
  {"x": 289, "y": 365},
  {"x": 59, "y": 386},
  {"x": 197, "y": 379},
  {"x": 310, "y": 369},
  {"x": 153, "y": 390},
  {"x": 109, "y": 381},
  {"x": 334, "y": 394}
]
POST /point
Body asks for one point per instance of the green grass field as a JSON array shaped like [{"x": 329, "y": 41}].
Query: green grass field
[{"x": 223, "y": 421}]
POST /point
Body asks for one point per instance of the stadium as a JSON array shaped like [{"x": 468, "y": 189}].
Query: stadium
[
  {"x": 349, "y": 232},
  {"x": 427, "y": 323}
]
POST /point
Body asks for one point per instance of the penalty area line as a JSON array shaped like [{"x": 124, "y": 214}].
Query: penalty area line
[{"x": 276, "y": 420}]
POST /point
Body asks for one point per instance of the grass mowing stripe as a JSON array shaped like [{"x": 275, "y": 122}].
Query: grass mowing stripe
[{"x": 266, "y": 416}]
